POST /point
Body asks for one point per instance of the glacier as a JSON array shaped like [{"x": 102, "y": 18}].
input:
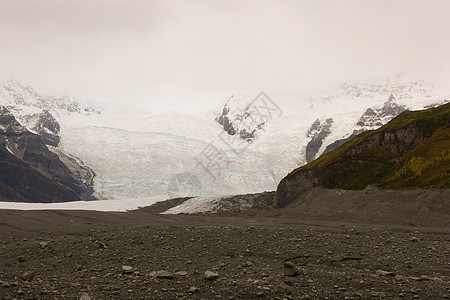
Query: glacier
[{"x": 135, "y": 152}]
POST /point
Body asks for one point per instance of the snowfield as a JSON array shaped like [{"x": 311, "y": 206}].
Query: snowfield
[{"x": 99, "y": 205}]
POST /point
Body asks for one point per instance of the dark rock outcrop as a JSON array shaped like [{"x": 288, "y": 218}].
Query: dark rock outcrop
[
  {"x": 223, "y": 120},
  {"x": 317, "y": 132},
  {"x": 48, "y": 128},
  {"x": 243, "y": 123},
  {"x": 20, "y": 182},
  {"x": 29, "y": 169}
]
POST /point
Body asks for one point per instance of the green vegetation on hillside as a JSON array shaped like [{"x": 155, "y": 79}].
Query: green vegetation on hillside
[{"x": 426, "y": 166}]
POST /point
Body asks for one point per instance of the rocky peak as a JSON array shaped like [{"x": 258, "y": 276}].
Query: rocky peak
[
  {"x": 47, "y": 128},
  {"x": 8, "y": 123},
  {"x": 391, "y": 108},
  {"x": 38, "y": 112},
  {"x": 374, "y": 118},
  {"x": 16, "y": 96},
  {"x": 224, "y": 120},
  {"x": 244, "y": 122}
]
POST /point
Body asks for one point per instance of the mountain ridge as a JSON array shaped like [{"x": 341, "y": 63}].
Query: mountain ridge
[
  {"x": 135, "y": 163},
  {"x": 32, "y": 173},
  {"x": 400, "y": 154}
]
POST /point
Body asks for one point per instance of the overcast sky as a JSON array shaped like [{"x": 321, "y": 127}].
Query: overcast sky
[{"x": 192, "y": 54}]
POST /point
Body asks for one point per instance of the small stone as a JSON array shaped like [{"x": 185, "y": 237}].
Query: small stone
[
  {"x": 127, "y": 269},
  {"x": 181, "y": 273},
  {"x": 385, "y": 273},
  {"x": 27, "y": 276},
  {"x": 284, "y": 289},
  {"x": 20, "y": 292},
  {"x": 43, "y": 244},
  {"x": 378, "y": 294},
  {"x": 164, "y": 274},
  {"x": 101, "y": 245},
  {"x": 85, "y": 296},
  {"x": 414, "y": 239},
  {"x": 21, "y": 258},
  {"x": 209, "y": 275},
  {"x": 290, "y": 269},
  {"x": 260, "y": 294},
  {"x": 429, "y": 278},
  {"x": 193, "y": 290},
  {"x": 248, "y": 264},
  {"x": 5, "y": 284},
  {"x": 398, "y": 277}
]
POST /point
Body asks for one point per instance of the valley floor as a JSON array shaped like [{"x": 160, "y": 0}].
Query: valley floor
[{"x": 81, "y": 254}]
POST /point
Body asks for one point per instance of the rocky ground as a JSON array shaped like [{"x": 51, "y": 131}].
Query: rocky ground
[{"x": 139, "y": 255}]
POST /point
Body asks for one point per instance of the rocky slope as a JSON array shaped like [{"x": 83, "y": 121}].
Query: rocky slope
[
  {"x": 410, "y": 151},
  {"x": 32, "y": 173},
  {"x": 318, "y": 132}
]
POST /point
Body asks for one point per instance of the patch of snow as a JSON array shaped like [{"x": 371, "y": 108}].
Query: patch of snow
[
  {"x": 123, "y": 204},
  {"x": 9, "y": 149},
  {"x": 195, "y": 205}
]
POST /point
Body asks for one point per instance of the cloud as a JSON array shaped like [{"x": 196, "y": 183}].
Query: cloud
[
  {"x": 192, "y": 53},
  {"x": 84, "y": 16}
]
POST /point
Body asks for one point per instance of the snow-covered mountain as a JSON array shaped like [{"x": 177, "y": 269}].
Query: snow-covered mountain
[
  {"x": 39, "y": 113},
  {"x": 246, "y": 145}
]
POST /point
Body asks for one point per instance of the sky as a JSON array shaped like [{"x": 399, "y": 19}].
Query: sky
[{"x": 188, "y": 55}]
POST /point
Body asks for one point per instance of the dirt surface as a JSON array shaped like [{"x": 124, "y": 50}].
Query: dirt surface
[
  {"x": 415, "y": 208},
  {"x": 86, "y": 255}
]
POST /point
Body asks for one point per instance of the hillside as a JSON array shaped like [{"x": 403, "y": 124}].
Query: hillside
[
  {"x": 32, "y": 173},
  {"x": 411, "y": 151}
]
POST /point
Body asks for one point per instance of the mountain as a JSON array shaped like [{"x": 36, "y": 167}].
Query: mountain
[
  {"x": 39, "y": 113},
  {"x": 371, "y": 119},
  {"x": 326, "y": 116},
  {"x": 247, "y": 144},
  {"x": 411, "y": 151},
  {"x": 29, "y": 171}
]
